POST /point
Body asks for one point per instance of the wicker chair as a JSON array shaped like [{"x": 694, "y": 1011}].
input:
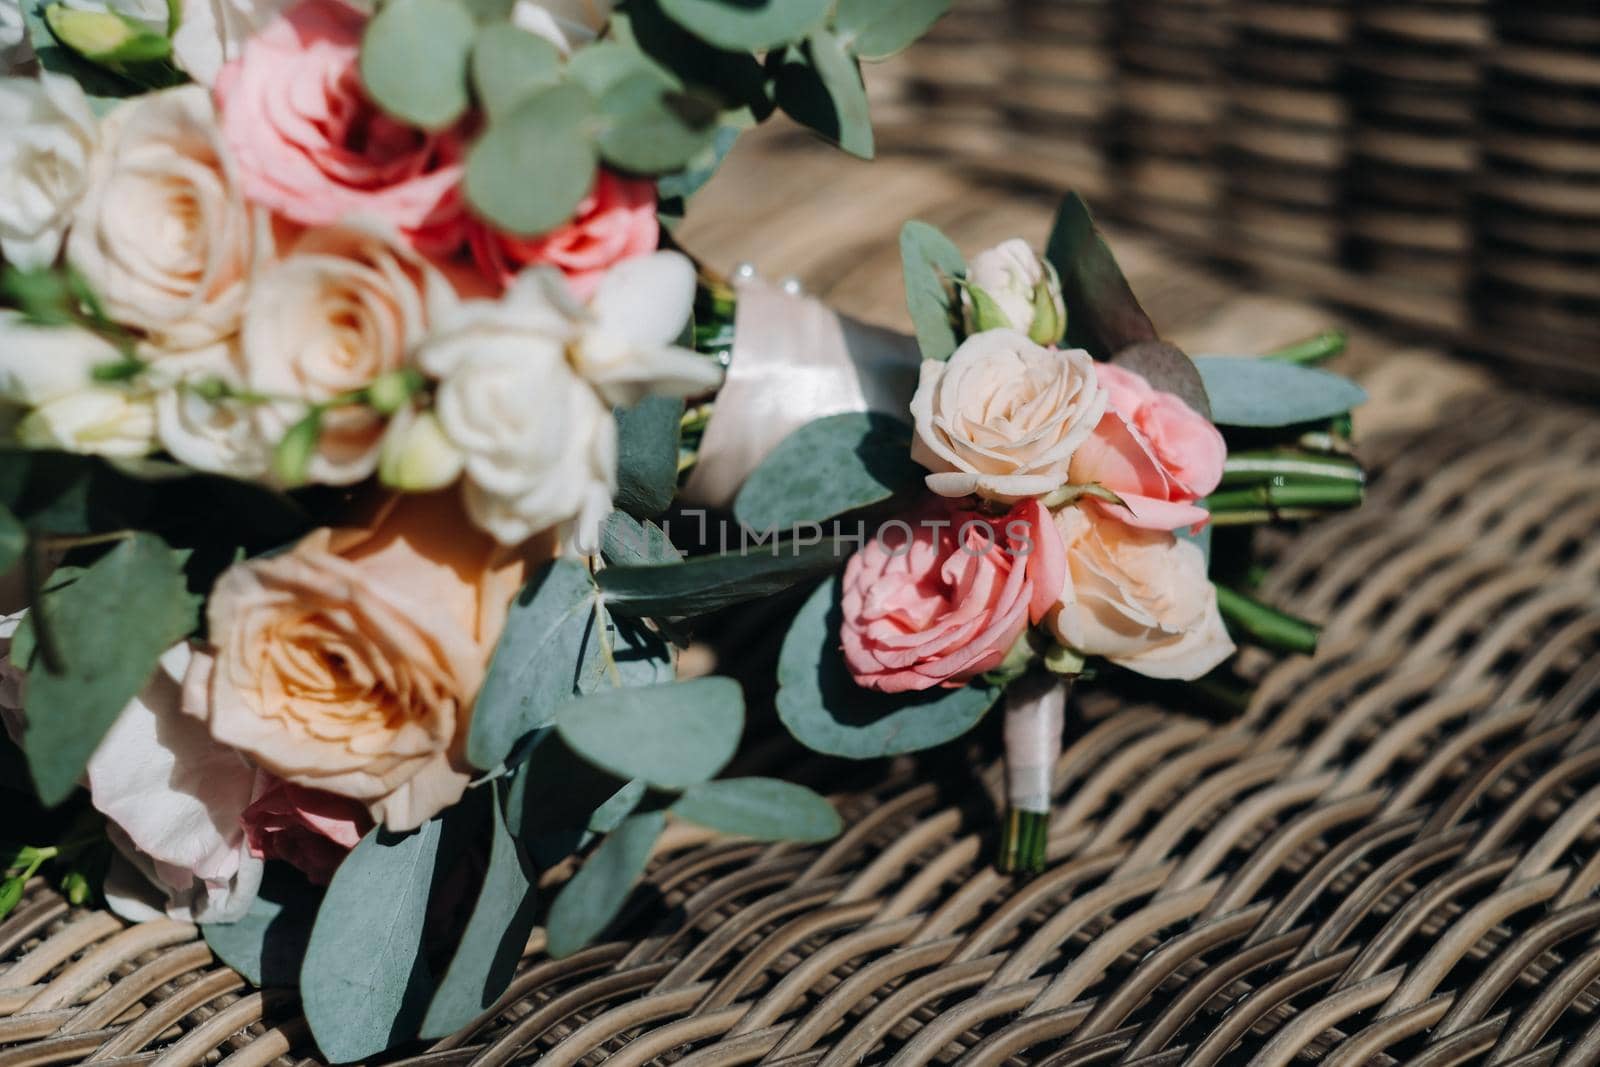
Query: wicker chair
[{"x": 1392, "y": 857}]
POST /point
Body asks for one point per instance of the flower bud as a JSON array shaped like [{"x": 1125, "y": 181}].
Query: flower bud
[
  {"x": 1012, "y": 287},
  {"x": 417, "y": 456},
  {"x": 94, "y": 421}
]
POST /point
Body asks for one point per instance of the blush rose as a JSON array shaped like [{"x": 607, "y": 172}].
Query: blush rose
[
  {"x": 947, "y": 603},
  {"x": 309, "y": 829}
]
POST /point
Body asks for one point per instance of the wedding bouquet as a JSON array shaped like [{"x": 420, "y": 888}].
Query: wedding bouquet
[
  {"x": 1046, "y": 514},
  {"x": 343, "y": 360}
]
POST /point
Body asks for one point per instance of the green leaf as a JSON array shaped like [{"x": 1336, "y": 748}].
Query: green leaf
[
  {"x": 626, "y": 540},
  {"x": 365, "y": 983},
  {"x": 492, "y": 943},
  {"x": 537, "y": 662},
  {"x": 762, "y": 808},
  {"x": 591, "y": 900},
  {"x": 647, "y": 455},
  {"x": 671, "y": 736},
  {"x": 652, "y": 124},
  {"x": 877, "y": 29},
  {"x": 748, "y": 25},
  {"x": 414, "y": 60},
  {"x": 932, "y": 265},
  {"x": 623, "y": 654},
  {"x": 819, "y": 86},
  {"x": 1168, "y": 368},
  {"x": 554, "y": 800},
  {"x": 13, "y": 539},
  {"x": 509, "y": 65},
  {"x": 733, "y": 76},
  {"x": 528, "y": 173},
  {"x": 674, "y": 190},
  {"x": 111, "y": 626},
  {"x": 1262, "y": 392},
  {"x": 828, "y": 712},
  {"x": 704, "y": 584},
  {"x": 1103, "y": 315},
  {"x": 269, "y": 943},
  {"x": 828, "y": 467}
]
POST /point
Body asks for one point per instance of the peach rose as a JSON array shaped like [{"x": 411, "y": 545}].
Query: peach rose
[
  {"x": 616, "y": 221},
  {"x": 1154, "y": 451},
  {"x": 1140, "y": 598},
  {"x": 1004, "y": 416},
  {"x": 308, "y": 829},
  {"x": 350, "y": 663},
  {"x": 312, "y": 147},
  {"x": 946, "y": 604}
]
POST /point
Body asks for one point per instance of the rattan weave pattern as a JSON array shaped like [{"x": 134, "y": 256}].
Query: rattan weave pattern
[{"x": 1391, "y": 858}]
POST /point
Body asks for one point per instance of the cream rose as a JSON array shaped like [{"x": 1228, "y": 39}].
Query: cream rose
[
  {"x": 1003, "y": 417},
  {"x": 1140, "y": 598},
  {"x": 162, "y": 234},
  {"x": 350, "y": 663},
  {"x": 344, "y": 306},
  {"x": 1011, "y": 285},
  {"x": 47, "y": 140},
  {"x": 540, "y": 444}
]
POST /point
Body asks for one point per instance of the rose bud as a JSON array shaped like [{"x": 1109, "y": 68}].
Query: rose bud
[{"x": 1011, "y": 287}]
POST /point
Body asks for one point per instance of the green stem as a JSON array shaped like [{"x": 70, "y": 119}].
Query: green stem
[
  {"x": 1276, "y": 497},
  {"x": 1262, "y": 624},
  {"x": 1287, "y": 466},
  {"x": 1023, "y": 842},
  {"x": 1313, "y": 350}
]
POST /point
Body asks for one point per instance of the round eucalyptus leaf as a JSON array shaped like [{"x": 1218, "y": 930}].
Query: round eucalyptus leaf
[
  {"x": 509, "y": 65},
  {"x": 671, "y": 736},
  {"x": 414, "y": 60},
  {"x": 877, "y": 29},
  {"x": 528, "y": 173},
  {"x": 748, "y": 25},
  {"x": 766, "y": 809}
]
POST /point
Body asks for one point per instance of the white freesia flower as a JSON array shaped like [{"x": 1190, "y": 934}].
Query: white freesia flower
[
  {"x": 212, "y": 32},
  {"x": 105, "y": 422},
  {"x": 540, "y": 444},
  {"x": 47, "y": 141},
  {"x": 15, "y": 51},
  {"x": 50, "y": 370},
  {"x": 200, "y": 428},
  {"x": 625, "y": 341},
  {"x": 175, "y": 799},
  {"x": 163, "y": 235},
  {"x": 567, "y": 24}
]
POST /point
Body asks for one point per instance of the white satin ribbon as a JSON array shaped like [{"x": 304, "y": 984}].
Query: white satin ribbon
[
  {"x": 794, "y": 360},
  {"x": 1035, "y": 716}
]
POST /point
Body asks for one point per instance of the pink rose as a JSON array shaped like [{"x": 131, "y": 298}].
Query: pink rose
[
  {"x": 312, "y": 147},
  {"x": 947, "y": 604},
  {"x": 309, "y": 829},
  {"x": 616, "y": 221},
  {"x": 1154, "y": 451}
]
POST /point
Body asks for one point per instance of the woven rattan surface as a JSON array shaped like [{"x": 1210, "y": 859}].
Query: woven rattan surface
[{"x": 1390, "y": 858}]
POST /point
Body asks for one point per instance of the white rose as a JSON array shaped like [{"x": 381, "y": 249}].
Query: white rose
[
  {"x": 15, "y": 51},
  {"x": 1010, "y": 285},
  {"x": 47, "y": 140},
  {"x": 540, "y": 444},
  {"x": 1003, "y": 416},
  {"x": 163, "y": 235},
  {"x": 212, "y": 32},
  {"x": 202, "y": 430},
  {"x": 345, "y": 306},
  {"x": 624, "y": 341},
  {"x": 1140, "y": 598},
  {"x": 174, "y": 798},
  {"x": 567, "y": 24}
]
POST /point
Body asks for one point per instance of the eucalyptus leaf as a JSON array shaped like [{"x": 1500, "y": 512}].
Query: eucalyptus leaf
[
  {"x": 647, "y": 455},
  {"x": 269, "y": 943},
  {"x": 828, "y": 467},
  {"x": 819, "y": 86},
  {"x": 554, "y": 798},
  {"x": 877, "y": 29},
  {"x": 652, "y": 124},
  {"x": 529, "y": 172},
  {"x": 671, "y": 736},
  {"x": 111, "y": 627},
  {"x": 674, "y": 190},
  {"x": 589, "y": 902},
  {"x": 509, "y": 65},
  {"x": 748, "y": 25},
  {"x": 491, "y": 944},
  {"x": 733, "y": 75},
  {"x": 932, "y": 266},
  {"x": 1168, "y": 368},
  {"x": 704, "y": 584},
  {"x": 1102, "y": 312},
  {"x": 1248, "y": 391},
  {"x": 365, "y": 982},
  {"x": 414, "y": 58},
  {"x": 765, "y": 809},
  {"x": 13, "y": 539},
  {"x": 827, "y": 711},
  {"x": 625, "y": 540},
  {"x": 543, "y": 651}
]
